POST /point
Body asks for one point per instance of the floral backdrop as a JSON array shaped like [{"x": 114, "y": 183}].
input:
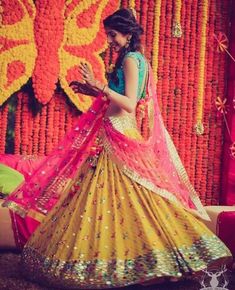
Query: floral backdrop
[{"x": 43, "y": 41}]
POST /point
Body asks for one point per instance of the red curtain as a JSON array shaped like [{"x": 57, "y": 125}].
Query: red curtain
[{"x": 228, "y": 169}]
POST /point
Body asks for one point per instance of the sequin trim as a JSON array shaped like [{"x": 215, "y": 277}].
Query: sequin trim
[
  {"x": 184, "y": 176},
  {"x": 122, "y": 123},
  {"x": 97, "y": 273},
  {"x": 15, "y": 207}
]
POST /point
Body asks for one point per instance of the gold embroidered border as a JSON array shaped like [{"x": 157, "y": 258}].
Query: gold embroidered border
[
  {"x": 15, "y": 207},
  {"x": 100, "y": 273},
  {"x": 122, "y": 123},
  {"x": 184, "y": 176}
]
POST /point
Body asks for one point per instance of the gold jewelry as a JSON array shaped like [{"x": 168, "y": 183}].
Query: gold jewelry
[
  {"x": 97, "y": 85},
  {"x": 104, "y": 88},
  {"x": 104, "y": 97},
  {"x": 128, "y": 41}
]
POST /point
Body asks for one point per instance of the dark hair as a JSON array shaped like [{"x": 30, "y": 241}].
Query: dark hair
[{"x": 124, "y": 21}]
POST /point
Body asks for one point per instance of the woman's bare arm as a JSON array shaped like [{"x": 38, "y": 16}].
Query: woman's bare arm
[
  {"x": 129, "y": 100},
  {"x": 126, "y": 102}
]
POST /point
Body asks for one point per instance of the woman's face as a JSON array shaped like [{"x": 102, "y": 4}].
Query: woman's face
[{"x": 116, "y": 39}]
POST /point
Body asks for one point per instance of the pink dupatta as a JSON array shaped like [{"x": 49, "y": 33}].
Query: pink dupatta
[
  {"x": 41, "y": 191},
  {"x": 154, "y": 162}
]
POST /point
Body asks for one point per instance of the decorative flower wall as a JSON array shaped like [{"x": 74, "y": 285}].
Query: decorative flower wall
[
  {"x": 47, "y": 39},
  {"x": 17, "y": 46}
]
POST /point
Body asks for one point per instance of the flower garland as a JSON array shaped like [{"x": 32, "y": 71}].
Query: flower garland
[
  {"x": 1, "y": 14},
  {"x": 159, "y": 69},
  {"x": 30, "y": 130},
  {"x": 138, "y": 10},
  {"x": 143, "y": 21},
  {"x": 204, "y": 6},
  {"x": 25, "y": 122},
  {"x": 166, "y": 54},
  {"x": 149, "y": 28},
  {"x": 17, "y": 139},
  {"x": 132, "y": 5},
  {"x": 176, "y": 29},
  {"x": 42, "y": 132},
  {"x": 62, "y": 117},
  {"x": 51, "y": 126},
  {"x": 191, "y": 30},
  {"x": 3, "y": 127},
  {"x": 167, "y": 62},
  {"x": 157, "y": 13},
  {"x": 199, "y": 95},
  {"x": 124, "y": 3},
  {"x": 174, "y": 93}
]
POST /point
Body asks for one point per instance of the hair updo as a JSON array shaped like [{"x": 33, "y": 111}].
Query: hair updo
[{"x": 124, "y": 21}]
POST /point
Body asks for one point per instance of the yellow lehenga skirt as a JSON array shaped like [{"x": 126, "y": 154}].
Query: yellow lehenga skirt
[{"x": 109, "y": 231}]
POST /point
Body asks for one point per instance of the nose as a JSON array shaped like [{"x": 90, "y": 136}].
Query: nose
[{"x": 109, "y": 39}]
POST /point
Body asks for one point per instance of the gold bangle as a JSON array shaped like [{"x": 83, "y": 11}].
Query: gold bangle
[
  {"x": 97, "y": 84},
  {"x": 104, "y": 88}
]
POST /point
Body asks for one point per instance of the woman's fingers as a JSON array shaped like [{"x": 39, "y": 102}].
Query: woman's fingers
[
  {"x": 86, "y": 72},
  {"x": 82, "y": 71},
  {"x": 85, "y": 68},
  {"x": 75, "y": 86},
  {"x": 74, "y": 83}
]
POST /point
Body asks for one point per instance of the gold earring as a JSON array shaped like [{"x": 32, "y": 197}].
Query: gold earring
[{"x": 128, "y": 42}]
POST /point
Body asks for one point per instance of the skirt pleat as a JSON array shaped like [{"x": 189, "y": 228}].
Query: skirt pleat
[{"x": 109, "y": 231}]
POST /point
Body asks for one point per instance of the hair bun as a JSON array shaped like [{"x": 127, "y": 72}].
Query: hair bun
[
  {"x": 126, "y": 12},
  {"x": 124, "y": 21}
]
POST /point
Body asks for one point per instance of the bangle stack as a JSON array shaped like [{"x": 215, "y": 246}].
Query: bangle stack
[
  {"x": 105, "y": 93},
  {"x": 104, "y": 88}
]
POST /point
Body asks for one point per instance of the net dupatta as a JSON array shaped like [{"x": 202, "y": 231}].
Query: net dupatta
[
  {"x": 153, "y": 162},
  {"x": 36, "y": 196}
]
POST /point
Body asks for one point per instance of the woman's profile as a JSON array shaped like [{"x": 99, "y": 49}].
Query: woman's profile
[{"x": 125, "y": 211}]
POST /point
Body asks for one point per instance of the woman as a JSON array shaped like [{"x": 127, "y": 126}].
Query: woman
[{"x": 119, "y": 191}]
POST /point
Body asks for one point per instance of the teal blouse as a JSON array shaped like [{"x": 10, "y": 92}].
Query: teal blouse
[{"x": 142, "y": 66}]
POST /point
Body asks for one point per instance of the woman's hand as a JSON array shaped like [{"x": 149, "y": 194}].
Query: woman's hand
[
  {"x": 89, "y": 79},
  {"x": 87, "y": 75},
  {"x": 82, "y": 88}
]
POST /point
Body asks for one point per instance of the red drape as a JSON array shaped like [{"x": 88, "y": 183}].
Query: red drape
[
  {"x": 228, "y": 169},
  {"x": 226, "y": 222}
]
